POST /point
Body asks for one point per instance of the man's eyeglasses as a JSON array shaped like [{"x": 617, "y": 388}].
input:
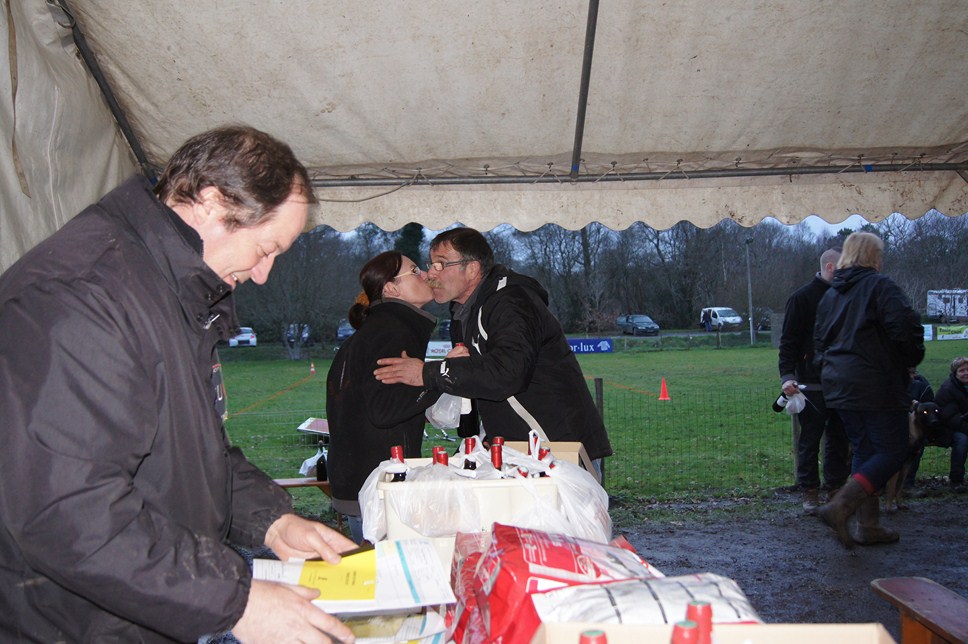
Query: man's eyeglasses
[
  {"x": 439, "y": 266},
  {"x": 414, "y": 270}
]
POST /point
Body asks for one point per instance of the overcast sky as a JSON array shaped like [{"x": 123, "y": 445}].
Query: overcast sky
[{"x": 818, "y": 225}]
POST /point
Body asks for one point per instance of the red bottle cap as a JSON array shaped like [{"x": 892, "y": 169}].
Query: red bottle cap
[
  {"x": 702, "y": 614},
  {"x": 497, "y": 440},
  {"x": 685, "y": 632},
  {"x": 469, "y": 444},
  {"x": 592, "y": 636},
  {"x": 396, "y": 453}
]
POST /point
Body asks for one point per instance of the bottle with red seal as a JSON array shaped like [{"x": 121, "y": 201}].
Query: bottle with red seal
[
  {"x": 397, "y": 470},
  {"x": 440, "y": 455},
  {"x": 497, "y": 456},
  {"x": 469, "y": 463}
]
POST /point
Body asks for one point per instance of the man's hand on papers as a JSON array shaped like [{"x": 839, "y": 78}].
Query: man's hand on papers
[
  {"x": 293, "y": 537},
  {"x": 280, "y": 613},
  {"x": 404, "y": 369}
]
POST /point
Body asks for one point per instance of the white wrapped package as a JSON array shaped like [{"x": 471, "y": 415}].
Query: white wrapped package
[{"x": 646, "y": 601}]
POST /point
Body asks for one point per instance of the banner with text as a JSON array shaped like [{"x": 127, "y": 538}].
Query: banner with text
[
  {"x": 591, "y": 345},
  {"x": 952, "y": 332}
]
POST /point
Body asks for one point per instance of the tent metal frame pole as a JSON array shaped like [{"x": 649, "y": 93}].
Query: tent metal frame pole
[
  {"x": 81, "y": 42},
  {"x": 960, "y": 168},
  {"x": 586, "y": 73}
]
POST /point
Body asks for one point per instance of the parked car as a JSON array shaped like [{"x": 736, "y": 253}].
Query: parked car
[
  {"x": 764, "y": 319},
  {"x": 443, "y": 330},
  {"x": 245, "y": 338},
  {"x": 637, "y": 324},
  {"x": 344, "y": 330},
  {"x": 721, "y": 318}
]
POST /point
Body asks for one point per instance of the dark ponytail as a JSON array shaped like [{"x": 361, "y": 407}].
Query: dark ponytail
[{"x": 373, "y": 277}]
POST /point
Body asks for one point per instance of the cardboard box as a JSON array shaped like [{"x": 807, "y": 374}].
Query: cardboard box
[
  {"x": 724, "y": 633},
  {"x": 568, "y": 451},
  {"x": 497, "y": 501}
]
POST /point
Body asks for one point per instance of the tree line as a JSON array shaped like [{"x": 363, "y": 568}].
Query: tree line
[{"x": 595, "y": 274}]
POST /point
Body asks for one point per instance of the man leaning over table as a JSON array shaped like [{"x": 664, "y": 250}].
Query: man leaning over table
[
  {"x": 120, "y": 490},
  {"x": 517, "y": 366}
]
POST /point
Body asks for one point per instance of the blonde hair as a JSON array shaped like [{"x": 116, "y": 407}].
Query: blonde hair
[{"x": 862, "y": 249}]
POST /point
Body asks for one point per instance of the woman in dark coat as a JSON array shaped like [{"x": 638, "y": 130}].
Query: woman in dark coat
[
  {"x": 366, "y": 417},
  {"x": 867, "y": 336},
  {"x": 952, "y": 401}
]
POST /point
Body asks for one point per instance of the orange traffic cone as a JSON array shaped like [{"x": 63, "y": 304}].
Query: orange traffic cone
[
  {"x": 664, "y": 392},
  {"x": 312, "y": 368}
]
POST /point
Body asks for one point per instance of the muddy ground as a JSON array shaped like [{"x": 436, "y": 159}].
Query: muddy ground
[{"x": 791, "y": 566}]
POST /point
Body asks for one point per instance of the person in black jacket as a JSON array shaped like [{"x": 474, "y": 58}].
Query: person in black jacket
[
  {"x": 798, "y": 373},
  {"x": 366, "y": 418},
  {"x": 121, "y": 491},
  {"x": 952, "y": 401},
  {"x": 867, "y": 336},
  {"x": 517, "y": 368}
]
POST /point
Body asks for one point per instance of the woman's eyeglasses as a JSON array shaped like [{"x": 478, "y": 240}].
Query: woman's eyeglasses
[{"x": 414, "y": 270}]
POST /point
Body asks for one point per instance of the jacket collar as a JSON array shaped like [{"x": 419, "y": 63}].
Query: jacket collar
[
  {"x": 204, "y": 297},
  {"x": 415, "y": 309}
]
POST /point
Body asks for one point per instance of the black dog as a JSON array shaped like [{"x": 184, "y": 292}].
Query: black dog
[{"x": 924, "y": 423}]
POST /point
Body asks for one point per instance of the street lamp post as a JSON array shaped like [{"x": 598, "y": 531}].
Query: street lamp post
[{"x": 749, "y": 290}]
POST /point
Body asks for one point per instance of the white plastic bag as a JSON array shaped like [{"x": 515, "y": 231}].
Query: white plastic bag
[
  {"x": 308, "y": 467},
  {"x": 795, "y": 403},
  {"x": 584, "y": 502},
  {"x": 445, "y": 413}
]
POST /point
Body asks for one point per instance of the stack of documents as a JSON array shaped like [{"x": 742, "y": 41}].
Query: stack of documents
[{"x": 394, "y": 577}]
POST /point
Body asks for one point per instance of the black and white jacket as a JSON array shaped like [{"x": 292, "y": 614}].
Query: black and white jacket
[{"x": 522, "y": 373}]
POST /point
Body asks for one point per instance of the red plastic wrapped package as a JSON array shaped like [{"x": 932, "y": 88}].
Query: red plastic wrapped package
[{"x": 520, "y": 562}]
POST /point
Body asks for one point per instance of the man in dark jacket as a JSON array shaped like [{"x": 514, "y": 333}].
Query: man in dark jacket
[
  {"x": 798, "y": 373},
  {"x": 120, "y": 489},
  {"x": 867, "y": 336},
  {"x": 519, "y": 369}
]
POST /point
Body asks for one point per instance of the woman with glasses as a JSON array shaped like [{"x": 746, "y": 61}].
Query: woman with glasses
[{"x": 366, "y": 418}]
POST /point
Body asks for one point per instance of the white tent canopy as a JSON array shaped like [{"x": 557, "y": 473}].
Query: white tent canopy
[{"x": 442, "y": 110}]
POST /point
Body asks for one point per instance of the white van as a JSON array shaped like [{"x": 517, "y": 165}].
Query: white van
[{"x": 720, "y": 318}]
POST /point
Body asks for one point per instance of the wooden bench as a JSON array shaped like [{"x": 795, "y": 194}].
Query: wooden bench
[
  {"x": 311, "y": 482},
  {"x": 305, "y": 482},
  {"x": 930, "y": 613}
]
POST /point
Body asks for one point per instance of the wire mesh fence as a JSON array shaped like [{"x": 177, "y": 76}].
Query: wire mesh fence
[{"x": 715, "y": 444}]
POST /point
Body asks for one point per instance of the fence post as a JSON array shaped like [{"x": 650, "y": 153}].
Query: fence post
[
  {"x": 600, "y": 397},
  {"x": 795, "y": 431},
  {"x": 600, "y": 403}
]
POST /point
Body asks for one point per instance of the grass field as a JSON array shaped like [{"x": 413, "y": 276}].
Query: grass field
[{"x": 715, "y": 437}]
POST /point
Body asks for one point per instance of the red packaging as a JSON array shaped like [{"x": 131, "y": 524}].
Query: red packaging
[
  {"x": 464, "y": 617},
  {"x": 520, "y": 562}
]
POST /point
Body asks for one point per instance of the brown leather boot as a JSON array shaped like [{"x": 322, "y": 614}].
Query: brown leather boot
[
  {"x": 869, "y": 530},
  {"x": 838, "y": 511}
]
